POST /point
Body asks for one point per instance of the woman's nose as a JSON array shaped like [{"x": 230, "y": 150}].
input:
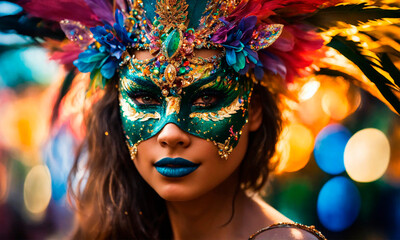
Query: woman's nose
[{"x": 172, "y": 136}]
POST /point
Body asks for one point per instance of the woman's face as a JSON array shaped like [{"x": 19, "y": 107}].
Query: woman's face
[
  {"x": 184, "y": 127},
  {"x": 172, "y": 142}
]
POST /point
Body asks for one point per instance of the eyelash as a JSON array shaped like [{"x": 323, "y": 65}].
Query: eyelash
[
  {"x": 214, "y": 94},
  {"x": 137, "y": 95}
]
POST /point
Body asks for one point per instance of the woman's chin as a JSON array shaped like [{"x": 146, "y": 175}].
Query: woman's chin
[{"x": 175, "y": 193}]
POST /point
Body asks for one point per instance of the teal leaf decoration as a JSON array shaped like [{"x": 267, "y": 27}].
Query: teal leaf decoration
[
  {"x": 196, "y": 9},
  {"x": 354, "y": 14},
  {"x": 149, "y": 7},
  {"x": 352, "y": 51}
]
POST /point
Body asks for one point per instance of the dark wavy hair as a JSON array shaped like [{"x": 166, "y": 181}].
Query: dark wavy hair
[{"x": 114, "y": 201}]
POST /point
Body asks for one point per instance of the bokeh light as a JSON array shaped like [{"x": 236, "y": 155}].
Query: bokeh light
[
  {"x": 294, "y": 200},
  {"x": 296, "y": 145},
  {"x": 310, "y": 112},
  {"x": 367, "y": 155},
  {"x": 393, "y": 171},
  {"x": 335, "y": 104},
  {"x": 308, "y": 90},
  {"x": 25, "y": 123},
  {"x": 338, "y": 204},
  {"x": 26, "y": 66},
  {"x": 3, "y": 182},
  {"x": 59, "y": 161},
  {"x": 8, "y": 8},
  {"x": 37, "y": 189},
  {"x": 329, "y": 148}
]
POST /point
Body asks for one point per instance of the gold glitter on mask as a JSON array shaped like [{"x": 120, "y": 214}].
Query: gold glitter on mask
[
  {"x": 224, "y": 149},
  {"x": 127, "y": 84},
  {"x": 132, "y": 149},
  {"x": 173, "y": 105},
  {"x": 225, "y": 112},
  {"x": 132, "y": 115}
]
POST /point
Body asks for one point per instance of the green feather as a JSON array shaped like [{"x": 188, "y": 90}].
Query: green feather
[
  {"x": 389, "y": 67},
  {"x": 354, "y": 14},
  {"x": 351, "y": 50}
]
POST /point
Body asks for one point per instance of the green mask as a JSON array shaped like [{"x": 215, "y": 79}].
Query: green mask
[{"x": 212, "y": 105}]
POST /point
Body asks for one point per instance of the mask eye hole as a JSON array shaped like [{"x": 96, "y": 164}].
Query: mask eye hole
[
  {"x": 205, "y": 100},
  {"x": 146, "y": 99}
]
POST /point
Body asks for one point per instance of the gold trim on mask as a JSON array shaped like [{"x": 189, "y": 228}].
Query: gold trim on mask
[
  {"x": 225, "y": 112},
  {"x": 173, "y": 105},
  {"x": 224, "y": 149},
  {"x": 132, "y": 115},
  {"x": 133, "y": 149},
  {"x": 127, "y": 84},
  {"x": 172, "y": 13}
]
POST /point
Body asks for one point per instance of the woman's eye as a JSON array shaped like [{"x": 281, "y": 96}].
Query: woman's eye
[
  {"x": 146, "y": 100},
  {"x": 205, "y": 101}
]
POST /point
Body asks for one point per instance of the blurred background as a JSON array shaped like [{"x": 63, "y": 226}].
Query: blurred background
[{"x": 339, "y": 165}]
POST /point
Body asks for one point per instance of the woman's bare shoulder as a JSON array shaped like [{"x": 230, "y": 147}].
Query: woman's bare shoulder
[
  {"x": 270, "y": 214},
  {"x": 271, "y": 224}
]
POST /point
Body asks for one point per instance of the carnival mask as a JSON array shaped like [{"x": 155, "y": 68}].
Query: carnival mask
[
  {"x": 206, "y": 97},
  {"x": 213, "y": 106},
  {"x": 165, "y": 89}
]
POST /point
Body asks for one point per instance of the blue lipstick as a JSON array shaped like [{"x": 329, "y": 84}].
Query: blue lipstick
[{"x": 175, "y": 167}]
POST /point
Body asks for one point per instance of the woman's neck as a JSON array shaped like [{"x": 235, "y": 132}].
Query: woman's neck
[
  {"x": 206, "y": 217},
  {"x": 224, "y": 213}
]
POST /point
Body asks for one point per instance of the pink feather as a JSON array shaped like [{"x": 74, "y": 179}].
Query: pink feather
[
  {"x": 297, "y": 48},
  {"x": 67, "y": 53}
]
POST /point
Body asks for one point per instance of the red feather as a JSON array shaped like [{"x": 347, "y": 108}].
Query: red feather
[
  {"x": 264, "y": 9},
  {"x": 57, "y": 10}
]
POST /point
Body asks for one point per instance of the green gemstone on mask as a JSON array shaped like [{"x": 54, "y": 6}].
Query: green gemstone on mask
[
  {"x": 172, "y": 43},
  {"x": 163, "y": 37},
  {"x": 182, "y": 70}
]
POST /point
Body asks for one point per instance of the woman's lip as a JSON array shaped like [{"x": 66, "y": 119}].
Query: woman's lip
[
  {"x": 174, "y": 162},
  {"x": 175, "y": 167}
]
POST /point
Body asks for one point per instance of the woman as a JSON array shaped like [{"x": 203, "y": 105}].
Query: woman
[
  {"x": 197, "y": 141},
  {"x": 179, "y": 144}
]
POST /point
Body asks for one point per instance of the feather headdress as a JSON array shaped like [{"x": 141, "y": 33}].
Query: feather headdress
[{"x": 96, "y": 35}]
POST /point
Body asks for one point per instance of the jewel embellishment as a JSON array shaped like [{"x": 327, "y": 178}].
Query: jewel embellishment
[{"x": 172, "y": 45}]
